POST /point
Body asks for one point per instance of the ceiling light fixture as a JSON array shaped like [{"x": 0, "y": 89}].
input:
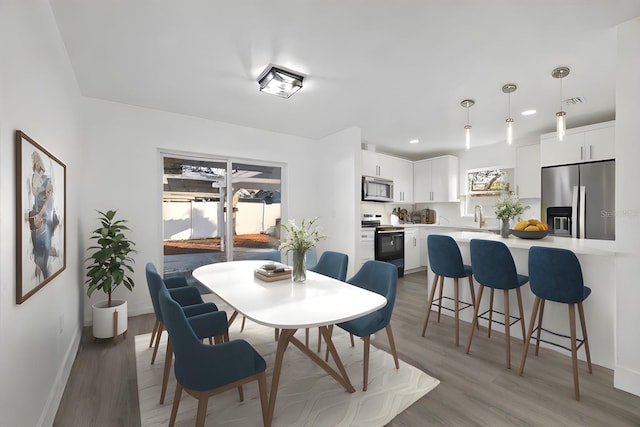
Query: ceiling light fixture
[
  {"x": 279, "y": 81},
  {"x": 414, "y": 141},
  {"x": 561, "y": 122},
  {"x": 528, "y": 112},
  {"x": 467, "y": 103},
  {"x": 508, "y": 89}
]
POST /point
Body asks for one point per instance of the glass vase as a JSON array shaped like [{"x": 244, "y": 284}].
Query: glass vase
[
  {"x": 504, "y": 228},
  {"x": 299, "y": 271}
]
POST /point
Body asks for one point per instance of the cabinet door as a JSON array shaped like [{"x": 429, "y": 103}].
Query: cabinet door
[
  {"x": 369, "y": 163},
  {"x": 378, "y": 165},
  {"x": 440, "y": 179},
  {"x": 403, "y": 181},
  {"x": 599, "y": 144},
  {"x": 554, "y": 152},
  {"x": 528, "y": 171},
  {"x": 422, "y": 181},
  {"x": 411, "y": 249}
]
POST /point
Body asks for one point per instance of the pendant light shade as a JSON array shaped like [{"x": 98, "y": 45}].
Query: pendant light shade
[
  {"x": 508, "y": 89},
  {"x": 467, "y": 103},
  {"x": 561, "y": 122}
]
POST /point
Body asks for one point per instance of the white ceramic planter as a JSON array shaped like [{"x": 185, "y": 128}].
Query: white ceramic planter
[{"x": 104, "y": 322}]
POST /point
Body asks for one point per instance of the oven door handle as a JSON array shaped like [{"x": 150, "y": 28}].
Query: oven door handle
[{"x": 390, "y": 232}]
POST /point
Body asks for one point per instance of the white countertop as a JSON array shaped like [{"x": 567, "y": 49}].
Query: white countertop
[{"x": 578, "y": 246}]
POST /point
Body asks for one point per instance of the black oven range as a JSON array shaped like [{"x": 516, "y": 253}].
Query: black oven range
[{"x": 389, "y": 246}]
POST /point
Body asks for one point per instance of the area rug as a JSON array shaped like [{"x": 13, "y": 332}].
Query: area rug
[{"x": 307, "y": 396}]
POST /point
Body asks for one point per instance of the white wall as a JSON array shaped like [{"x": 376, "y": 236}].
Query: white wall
[
  {"x": 38, "y": 95},
  {"x": 627, "y": 369},
  {"x": 124, "y": 172}
]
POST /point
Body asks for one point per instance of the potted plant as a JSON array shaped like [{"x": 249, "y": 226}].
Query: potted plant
[
  {"x": 110, "y": 264},
  {"x": 300, "y": 240},
  {"x": 507, "y": 208}
]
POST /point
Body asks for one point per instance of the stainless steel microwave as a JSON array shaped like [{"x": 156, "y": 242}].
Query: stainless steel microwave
[{"x": 377, "y": 189}]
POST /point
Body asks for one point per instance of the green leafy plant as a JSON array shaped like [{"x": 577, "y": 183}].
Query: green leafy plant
[
  {"x": 301, "y": 238},
  {"x": 509, "y": 207},
  {"x": 110, "y": 261}
]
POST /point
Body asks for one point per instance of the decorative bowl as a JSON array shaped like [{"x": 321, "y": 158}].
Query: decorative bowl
[{"x": 530, "y": 234}]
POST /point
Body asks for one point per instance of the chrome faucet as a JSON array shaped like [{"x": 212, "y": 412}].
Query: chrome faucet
[{"x": 475, "y": 215}]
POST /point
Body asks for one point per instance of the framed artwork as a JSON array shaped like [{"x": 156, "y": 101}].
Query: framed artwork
[{"x": 41, "y": 189}]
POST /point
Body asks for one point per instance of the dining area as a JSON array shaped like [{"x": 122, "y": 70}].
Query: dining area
[{"x": 325, "y": 300}]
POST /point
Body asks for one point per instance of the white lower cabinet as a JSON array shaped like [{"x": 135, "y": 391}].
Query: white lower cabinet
[
  {"x": 367, "y": 248},
  {"x": 411, "y": 248}
]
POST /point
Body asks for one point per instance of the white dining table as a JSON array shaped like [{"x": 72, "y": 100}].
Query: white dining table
[{"x": 319, "y": 301}]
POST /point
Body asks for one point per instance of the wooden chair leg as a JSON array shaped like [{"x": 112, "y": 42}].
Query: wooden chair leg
[
  {"x": 176, "y": 403},
  {"x": 519, "y": 295},
  {"x": 153, "y": 334},
  {"x": 353, "y": 344},
  {"x": 574, "y": 350},
  {"x": 319, "y": 340},
  {"x": 392, "y": 345},
  {"x": 490, "y": 313},
  {"x": 167, "y": 369},
  {"x": 456, "y": 305},
  {"x": 158, "y": 336},
  {"x": 277, "y": 333},
  {"x": 474, "y": 322},
  {"x": 539, "y": 326},
  {"x": 244, "y": 319},
  {"x": 584, "y": 336},
  {"x": 365, "y": 369},
  {"x": 507, "y": 328},
  {"x": 429, "y": 302},
  {"x": 241, "y": 393},
  {"x": 440, "y": 297},
  {"x": 203, "y": 400},
  {"x": 534, "y": 314},
  {"x": 473, "y": 295}
]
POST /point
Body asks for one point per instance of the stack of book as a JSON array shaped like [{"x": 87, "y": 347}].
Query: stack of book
[{"x": 272, "y": 272}]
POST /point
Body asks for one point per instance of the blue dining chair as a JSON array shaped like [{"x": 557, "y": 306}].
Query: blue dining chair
[
  {"x": 445, "y": 260},
  {"x": 205, "y": 318},
  {"x": 555, "y": 275},
  {"x": 381, "y": 278},
  {"x": 332, "y": 264},
  {"x": 493, "y": 267},
  {"x": 206, "y": 370}
]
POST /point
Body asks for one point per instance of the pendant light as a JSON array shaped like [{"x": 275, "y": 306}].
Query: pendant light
[
  {"x": 467, "y": 103},
  {"x": 508, "y": 89},
  {"x": 561, "y": 123}
]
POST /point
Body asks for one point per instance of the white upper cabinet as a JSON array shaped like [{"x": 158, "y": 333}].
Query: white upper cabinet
[
  {"x": 436, "y": 180},
  {"x": 378, "y": 165},
  {"x": 528, "y": 171},
  {"x": 402, "y": 181},
  {"x": 583, "y": 144}
]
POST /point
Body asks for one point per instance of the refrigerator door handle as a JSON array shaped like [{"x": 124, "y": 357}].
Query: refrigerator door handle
[
  {"x": 582, "y": 212},
  {"x": 574, "y": 212}
]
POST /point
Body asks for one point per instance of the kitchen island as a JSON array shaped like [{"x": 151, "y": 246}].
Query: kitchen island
[{"x": 597, "y": 261}]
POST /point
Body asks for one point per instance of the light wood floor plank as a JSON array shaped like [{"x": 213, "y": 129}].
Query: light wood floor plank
[{"x": 475, "y": 389}]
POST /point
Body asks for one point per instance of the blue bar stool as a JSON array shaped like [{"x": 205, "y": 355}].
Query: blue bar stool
[
  {"x": 494, "y": 268},
  {"x": 555, "y": 275},
  {"x": 446, "y": 261}
]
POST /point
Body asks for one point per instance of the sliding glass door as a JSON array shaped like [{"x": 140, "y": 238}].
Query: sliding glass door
[{"x": 217, "y": 210}]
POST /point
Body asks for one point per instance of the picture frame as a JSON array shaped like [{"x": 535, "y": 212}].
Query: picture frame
[{"x": 41, "y": 205}]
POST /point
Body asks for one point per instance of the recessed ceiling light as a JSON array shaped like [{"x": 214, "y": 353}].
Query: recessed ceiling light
[
  {"x": 414, "y": 141},
  {"x": 528, "y": 112}
]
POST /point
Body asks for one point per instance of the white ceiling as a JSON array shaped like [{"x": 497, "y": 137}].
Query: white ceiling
[{"x": 397, "y": 69}]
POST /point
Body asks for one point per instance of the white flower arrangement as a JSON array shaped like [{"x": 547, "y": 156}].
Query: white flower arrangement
[
  {"x": 509, "y": 207},
  {"x": 301, "y": 238}
]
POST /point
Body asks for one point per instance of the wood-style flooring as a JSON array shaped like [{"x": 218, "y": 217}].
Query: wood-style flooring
[{"x": 475, "y": 389}]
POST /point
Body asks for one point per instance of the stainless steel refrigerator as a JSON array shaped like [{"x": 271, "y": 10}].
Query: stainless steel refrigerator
[{"x": 579, "y": 200}]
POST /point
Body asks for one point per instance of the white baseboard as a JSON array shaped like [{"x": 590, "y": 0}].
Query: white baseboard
[
  {"x": 626, "y": 380},
  {"x": 55, "y": 395}
]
